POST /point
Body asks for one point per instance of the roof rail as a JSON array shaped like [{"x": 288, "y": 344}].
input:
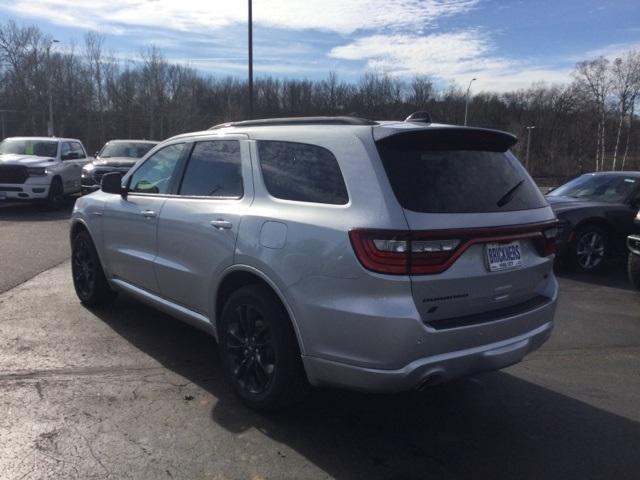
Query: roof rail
[
  {"x": 268, "y": 122},
  {"x": 420, "y": 116}
]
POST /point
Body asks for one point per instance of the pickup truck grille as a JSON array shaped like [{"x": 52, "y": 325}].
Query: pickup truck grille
[
  {"x": 13, "y": 173},
  {"x": 99, "y": 172}
]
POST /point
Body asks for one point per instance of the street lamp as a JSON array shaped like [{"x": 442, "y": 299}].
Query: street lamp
[
  {"x": 50, "y": 123},
  {"x": 529, "y": 128},
  {"x": 250, "y": 59},
  {"x": 466, "y": 101}
]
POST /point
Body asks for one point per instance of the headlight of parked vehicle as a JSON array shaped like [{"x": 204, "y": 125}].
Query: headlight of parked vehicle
[
  {"x": 37, "y": 171},
  {"x": 87, "y": 169}
]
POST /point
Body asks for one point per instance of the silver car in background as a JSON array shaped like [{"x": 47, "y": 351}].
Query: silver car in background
[{"x": 330, "y": 251}]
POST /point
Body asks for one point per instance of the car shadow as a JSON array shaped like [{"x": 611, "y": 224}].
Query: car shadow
[
  {"x": 612, "y": 274},
  {"x": 494, "y": 425},
  {"x": 35, "y": 211}
]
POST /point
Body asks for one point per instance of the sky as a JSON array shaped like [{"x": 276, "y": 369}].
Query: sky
[{"x": 504, "y": 44}]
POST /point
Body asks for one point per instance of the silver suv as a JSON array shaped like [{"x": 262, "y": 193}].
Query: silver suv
[{"x": 379, "y": 256}]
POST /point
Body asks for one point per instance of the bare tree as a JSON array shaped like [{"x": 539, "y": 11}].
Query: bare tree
[
  {"x": 593, "y": 76},
  {"x": 625, "y": 81},
  {"x": 98, "y": 98}
]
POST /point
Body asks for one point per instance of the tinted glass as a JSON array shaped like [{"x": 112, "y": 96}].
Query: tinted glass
[
  {"x": 458, "y": 181},
  {"x": 214, "y": 170},
  {"x": 125, "y": 149},
  {"x": 599, "y": 188},
  {"x": 38, "y": 148},
  {"x": 298, "y": 171},
  {"x": 77, "y": 149},
  {"x": 65, "y": 150},
  {"x": 154, "y": 175}
]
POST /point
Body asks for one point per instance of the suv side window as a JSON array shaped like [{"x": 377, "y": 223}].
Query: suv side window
[
  {"x": 65, "y": 151},
  {"x": 214, "y": 170},
  {"x": 302, "y": 172},
  {"x": 78, "y": 150},
  {"x": 154, "y": 175}
]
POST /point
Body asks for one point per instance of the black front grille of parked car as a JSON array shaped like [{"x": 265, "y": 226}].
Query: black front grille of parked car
[
  {"x": 100, "y": 172},
  {"x": 13, "y": 173}
]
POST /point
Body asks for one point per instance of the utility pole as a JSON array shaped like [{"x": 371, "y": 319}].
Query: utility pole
[
  {"x": 49, "y": 82},
  {"x": 466, "y": 101},
  {"x": 250, "y": 60},
  {"x": 529, "y": 128}
]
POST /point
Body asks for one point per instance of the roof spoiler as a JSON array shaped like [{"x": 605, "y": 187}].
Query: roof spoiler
[{"x": 450, "y": 138}]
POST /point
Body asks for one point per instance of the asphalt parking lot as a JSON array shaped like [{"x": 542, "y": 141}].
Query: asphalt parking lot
[{"x": 127, "y": 392}]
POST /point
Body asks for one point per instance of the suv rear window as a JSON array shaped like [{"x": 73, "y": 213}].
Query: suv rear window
[
  {"x": 302, "y": 172},
  {"x": 451, "y": 173}
]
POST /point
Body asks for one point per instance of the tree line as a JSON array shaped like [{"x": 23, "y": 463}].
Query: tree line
[{"x": 587, "y": 124}]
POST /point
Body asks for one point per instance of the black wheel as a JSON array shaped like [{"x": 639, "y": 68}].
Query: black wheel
[
  {"x": 633, "y": 269},
  {"x": 259, "y": 350},
  {"x": 89, "y": 280},
  {"x": 589, "y": 249},
  {"x": 55, "y": 199}
]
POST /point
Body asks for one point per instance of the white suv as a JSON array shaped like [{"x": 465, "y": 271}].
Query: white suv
[
  {"x": 40, "y": 168},
  {"x": 379, "y": 256}
]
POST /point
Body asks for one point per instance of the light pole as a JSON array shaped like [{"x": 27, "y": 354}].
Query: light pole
[
  {"x": 529, "y": 128},
  {"x": 466, "y": 101},
  {"x": 250, "y": 60},
  {"x": 50, "y": 123}
]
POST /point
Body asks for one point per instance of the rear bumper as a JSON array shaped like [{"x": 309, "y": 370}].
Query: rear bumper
[{"x": 438, "y": 368}]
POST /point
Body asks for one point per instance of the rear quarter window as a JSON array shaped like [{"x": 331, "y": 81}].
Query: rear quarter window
[{"x": 301, "y": 172}]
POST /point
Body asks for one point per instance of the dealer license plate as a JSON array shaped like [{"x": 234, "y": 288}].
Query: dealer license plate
[{"x": 503, "y": 256}]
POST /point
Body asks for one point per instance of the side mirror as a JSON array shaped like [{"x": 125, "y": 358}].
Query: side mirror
[
  {"x": 96, "y": 154},
  {"x": 112, "y": 183}
]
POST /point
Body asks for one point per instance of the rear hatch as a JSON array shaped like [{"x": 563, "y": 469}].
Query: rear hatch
[{"x": 480, "y": 232}]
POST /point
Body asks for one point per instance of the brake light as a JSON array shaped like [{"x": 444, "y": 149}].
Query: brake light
[
  {"x": 382, "y": 251},
  {"x": 428, "y": 252},
  {"x": 400, "y": 252},
  {"x": 550, "y": 235}
]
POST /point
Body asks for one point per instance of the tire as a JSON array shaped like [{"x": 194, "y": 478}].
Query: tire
[
  {"x": 633, "y": 269},
  {"x": 259, "y": 350},
  {"x": 89, "y": 280},
  {"x": 589, "y": 249},
  {"x": 55, "y": 199}
]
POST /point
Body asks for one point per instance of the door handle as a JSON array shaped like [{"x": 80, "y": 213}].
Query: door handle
[
  {"x": 221, "y": 224},
  {"x": 148, "y": 214}
]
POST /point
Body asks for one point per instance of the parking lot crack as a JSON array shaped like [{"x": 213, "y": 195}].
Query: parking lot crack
[{"x": 62, "y": 372}]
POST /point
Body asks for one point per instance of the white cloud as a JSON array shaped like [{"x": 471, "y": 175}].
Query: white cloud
[
  {"x": 450, "y": 57},
  {"x": 339, "y": 16},
  {"x": 609, "y": 51}
]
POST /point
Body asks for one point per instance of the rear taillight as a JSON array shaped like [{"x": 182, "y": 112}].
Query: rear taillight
[
  {"x": 382, "y": 251},
  {"x": 428, "y": 252},
  {"x": 550, "y": 235},
  {"x": 400, "y": 252}
]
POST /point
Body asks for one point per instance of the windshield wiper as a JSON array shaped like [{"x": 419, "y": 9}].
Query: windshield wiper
[{"x": 506, "y": 198}]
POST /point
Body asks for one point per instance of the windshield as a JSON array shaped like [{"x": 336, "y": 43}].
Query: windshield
[
  {"x": 125, "y": 149},
  {"x": 600, "y": 188},
  {"x": 37, "y": 148}
]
